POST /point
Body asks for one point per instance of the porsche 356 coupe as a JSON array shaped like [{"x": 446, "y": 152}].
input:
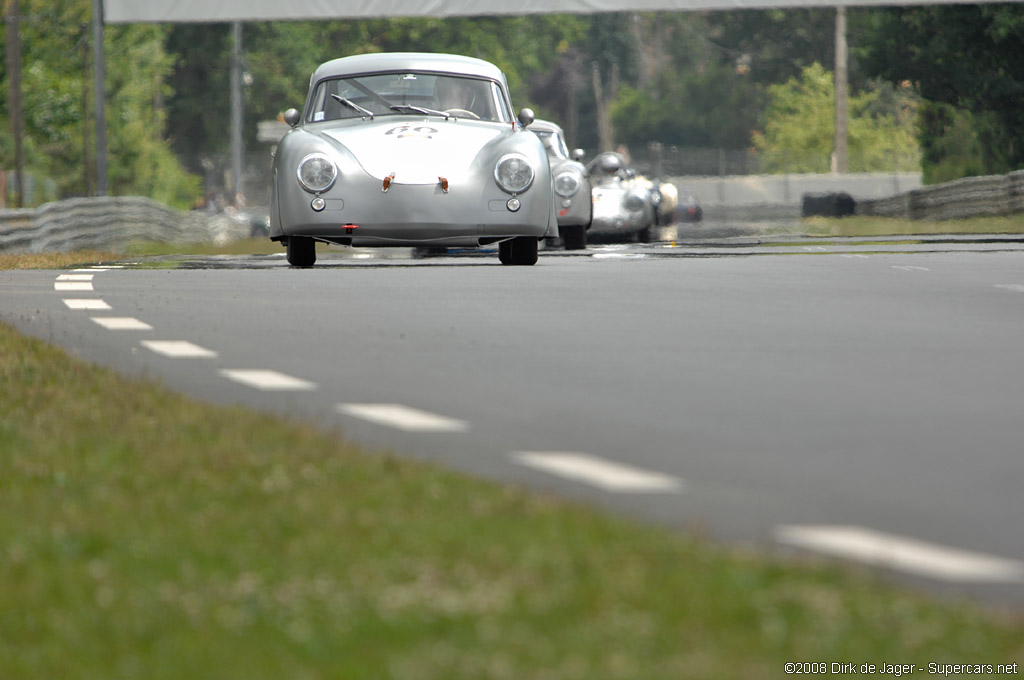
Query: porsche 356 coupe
[{"x": 411, "y": 149}]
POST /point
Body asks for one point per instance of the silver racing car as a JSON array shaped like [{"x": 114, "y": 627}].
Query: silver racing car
[{"x": 411, "y": 149}]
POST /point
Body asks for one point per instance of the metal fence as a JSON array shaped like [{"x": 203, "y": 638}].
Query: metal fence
[
  {"x": 112, "y": 223},
  {"x": 967, "y": 197}
]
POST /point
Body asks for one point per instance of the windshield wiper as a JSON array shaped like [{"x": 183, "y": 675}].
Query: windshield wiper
[
  {"x": 352, "y": 105},
  {"x": 406, "y": 108}
]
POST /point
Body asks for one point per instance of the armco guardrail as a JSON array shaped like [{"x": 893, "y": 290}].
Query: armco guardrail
[
  {"x": 770, "y": 198},
  {"x": 110, "y": 223},
  {"x": 967, "y": 197}
]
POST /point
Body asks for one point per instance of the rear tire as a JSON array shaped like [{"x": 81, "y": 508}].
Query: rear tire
[
  {"x": 301, "y": 251},
  {"x": 519, "y": 251}
]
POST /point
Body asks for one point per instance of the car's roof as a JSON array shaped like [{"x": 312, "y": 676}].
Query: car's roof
[
  {"x": 408, "y": 61},
  {"x": 545, "y": 125}
]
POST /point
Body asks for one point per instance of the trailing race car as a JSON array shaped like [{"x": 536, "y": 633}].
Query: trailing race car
[{"x": 572, "y": 186}]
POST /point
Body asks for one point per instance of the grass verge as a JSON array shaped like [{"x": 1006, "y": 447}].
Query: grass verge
[
  {"x": 147, "y": 535},
  {"x": 53, "y": 260},
  {"x": 883, "y": 226}
]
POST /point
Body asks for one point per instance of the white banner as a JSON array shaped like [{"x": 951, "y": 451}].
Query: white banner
[{"x": 155, "y": 11}]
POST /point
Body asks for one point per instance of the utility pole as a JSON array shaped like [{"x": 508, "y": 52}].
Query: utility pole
[
  {"x": 605, "y": 133},
  {"x": 237, "y": 188},
  {"x": 17, "y": 114},
  {"x": 840, "y": 156},
  {"x": 99, "y": 82}
]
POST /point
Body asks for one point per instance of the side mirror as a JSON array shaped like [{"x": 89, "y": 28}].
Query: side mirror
[
  {"x": 526, "y": 117},
  {"x": 578, "y": 155},
  {"x": 292, "y": 117}
]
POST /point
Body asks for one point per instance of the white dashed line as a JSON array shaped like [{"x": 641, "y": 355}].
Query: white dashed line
[
  {"x": 856, "y": 256},
  {"x": 598, "y": 472},
  {"x": 403, "y": 417},
  {"x": 75, "y": 277},
  {"x": 902, "y": 554},
  {"x": 85, "y": 303},
  {"x": 267, "y": 381},
  {"x": 618, "y": 256},
  {"x": 910, "y": 268},
  {"x": 1015, "y": 287},
  {"x": 122, "y": 323},
  {"x": 72, "y": 285},
  {"x": 816, "y": 249},
  {"x": 179, "y": 349}
]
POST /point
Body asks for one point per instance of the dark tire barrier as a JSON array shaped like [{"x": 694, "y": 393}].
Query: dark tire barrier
[{"x": 827, "y": 205}]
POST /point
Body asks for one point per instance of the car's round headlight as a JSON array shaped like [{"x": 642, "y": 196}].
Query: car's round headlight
[
  {"x": 567, "y": 184},
  {"x": 513, "y": 173},
  {"x": 317, "y": 173}
]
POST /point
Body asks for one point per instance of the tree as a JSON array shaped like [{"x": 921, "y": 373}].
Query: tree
[
  {"x": 55, "y": 39},
  {"x": 800, "y": 122},
  {"x": 970, "y": 60},
  {"x": 16, "y": 113}
]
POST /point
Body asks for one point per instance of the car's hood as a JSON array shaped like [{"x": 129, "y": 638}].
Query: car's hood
[
  {"x": 611, "y": 191},
  {"x": 417, "y": 151}
]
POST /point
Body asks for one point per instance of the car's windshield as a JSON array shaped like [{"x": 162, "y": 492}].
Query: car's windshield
[
  {"x": 553, "y": 143},
  {"x": 402, "y": 93}
]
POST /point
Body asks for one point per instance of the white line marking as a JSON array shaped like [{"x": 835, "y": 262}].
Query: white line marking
[
  {"x": 816, "y": 249},
  {"x": 619, "y": 256},
  {"x": 857, "y": 256},
  {"x": 1016, "y": 287},
  {"x": 598, "y": 472},
  {"x": 85, "y": 303},
  {"x": 72, "y": 285},
  {"x": 267, "y": 380},
  {"x": 75, "y": 277},
  {"x": 902, "y": 554},
  {"x": 403, "y": 417},
  {"x": 179, "y": 349},
  {"x": 122, "y": 323},
  {"x": 910, "y": 268}
]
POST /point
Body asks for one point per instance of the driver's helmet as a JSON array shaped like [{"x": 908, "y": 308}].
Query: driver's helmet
[{"x": 610, "y": 165}]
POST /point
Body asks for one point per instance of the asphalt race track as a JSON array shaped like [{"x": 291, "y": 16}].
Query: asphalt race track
[{"x": 862, "y": 402}]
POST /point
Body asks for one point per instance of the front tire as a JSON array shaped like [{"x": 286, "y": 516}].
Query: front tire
[
  {"x": 519, "y": 251},
  {"x": 301, "y": 251},
  {"x": 574, "y": 237}
]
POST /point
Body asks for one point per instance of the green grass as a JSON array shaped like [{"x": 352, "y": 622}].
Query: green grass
[
  {"x": 248, "y": 246},
  {"x": 883, "y": 226},
  {"x": 144, "y": 535}
]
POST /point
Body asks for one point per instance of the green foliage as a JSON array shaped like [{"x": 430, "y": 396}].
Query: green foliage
[
  {"x": 799, "y": 130},
  {"x": 57, "y": 91},
  {"x": 688, "y": 110},
  {"x": 970, "y": 60},
  {"x": 145, "y": 165}
]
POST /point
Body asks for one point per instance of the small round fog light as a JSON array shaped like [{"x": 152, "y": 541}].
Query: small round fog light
[
  {"x": 566, "y": 203},
  {"x": 513, "y": 204},
  {"x": 318, "y": 204}
]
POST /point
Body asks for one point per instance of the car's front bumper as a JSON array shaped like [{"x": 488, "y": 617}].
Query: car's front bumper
[
  {"x": 619, "y": 223},
  {"x": 575, "y": 211},
  {"x": 362, "y": 214}
]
